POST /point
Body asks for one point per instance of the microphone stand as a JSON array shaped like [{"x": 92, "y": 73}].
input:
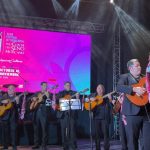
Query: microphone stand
[
  {"x": 68, "y": 132},
  {"x": 91, "y": 118},
  {"x": 22, "y": 111},
  {"x": 83, "y": 99}
]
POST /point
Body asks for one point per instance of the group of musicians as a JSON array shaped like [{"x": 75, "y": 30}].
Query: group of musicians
[{"x": 134, "y": 120}]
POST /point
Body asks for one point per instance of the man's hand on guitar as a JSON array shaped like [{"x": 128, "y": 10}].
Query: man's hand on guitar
[
  {"x": 139, "y": 90},
  {"x": 33, "y": 99},
  {"x": 17, "y": 99},
  {"x": 6, "y": 101},
  {"x": 92, "y": 98},
  {"x": 77, "y": 95},
  {"x": 109, "y": 97},
  {"x": 113, "y": 102}
]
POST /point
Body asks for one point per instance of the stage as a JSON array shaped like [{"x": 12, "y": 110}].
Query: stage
[{"x": 82, "y": 145}]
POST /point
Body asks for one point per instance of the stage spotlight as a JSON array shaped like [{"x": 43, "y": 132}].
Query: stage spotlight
[{"x": 111, "y": 1}]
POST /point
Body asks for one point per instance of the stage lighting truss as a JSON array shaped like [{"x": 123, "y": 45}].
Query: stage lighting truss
[
  {"x": 116, "y": 74},
  {"x": 51, "y": 24}
]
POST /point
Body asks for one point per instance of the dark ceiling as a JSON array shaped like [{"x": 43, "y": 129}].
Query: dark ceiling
[{"x": 96, "y": 11}]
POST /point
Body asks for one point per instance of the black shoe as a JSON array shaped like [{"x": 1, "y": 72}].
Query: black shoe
[
  {"x": 70, "y": 148},
  {"x": 65, "y": 148},
  {"x": 44, "y": 148},
  {"x": 4, "y": 148},
  {"x": 14, "y": 147},
  {"x": 35, "y": 147}
]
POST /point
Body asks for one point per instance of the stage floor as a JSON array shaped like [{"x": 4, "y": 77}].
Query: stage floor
[{"x": 82, "y": 145}]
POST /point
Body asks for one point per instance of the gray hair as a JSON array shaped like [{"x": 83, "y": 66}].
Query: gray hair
[{"x": 131, "y": 62}]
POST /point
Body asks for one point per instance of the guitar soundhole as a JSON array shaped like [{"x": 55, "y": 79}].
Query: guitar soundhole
[{"x": 141, "y": 96}]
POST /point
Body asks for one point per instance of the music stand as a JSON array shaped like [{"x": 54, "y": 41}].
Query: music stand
[
  {"x": 67, "y": 105},
  {"x": 72, "y": 104}
]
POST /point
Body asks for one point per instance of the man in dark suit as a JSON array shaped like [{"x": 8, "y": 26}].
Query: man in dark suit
[
  {"x": 9, "y": 119},
  {"x": 40, "y": 116},
  {"x": 67, "y": 119},
  {"x": 101, "y": 115},
  {"x": 136, "y": 117}
]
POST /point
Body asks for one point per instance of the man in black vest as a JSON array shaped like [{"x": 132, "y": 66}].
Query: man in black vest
[
  {"x": 136, "y": 117},
  {"x": 9, "y": 119},
  {"x": 67, "y": 119}
]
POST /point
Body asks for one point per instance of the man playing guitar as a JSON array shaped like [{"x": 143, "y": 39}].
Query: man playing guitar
[
  {"x": 136, "y": 116},
  {"x": 101, "y": 115},
  {"x": 9, "y": 119},
  {"x": 67, "y": 119},
  {"x": 40, "y": 115}
]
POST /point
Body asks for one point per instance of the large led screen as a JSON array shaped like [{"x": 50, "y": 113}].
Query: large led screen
[{"x": 32, "y": 56}]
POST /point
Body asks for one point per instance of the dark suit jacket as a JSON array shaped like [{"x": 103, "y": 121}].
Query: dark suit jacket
[
  {"x": 124, "y": 86},
  {"x": 102, "y": 111}
]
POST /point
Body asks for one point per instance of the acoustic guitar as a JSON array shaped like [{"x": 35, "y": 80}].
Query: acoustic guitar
[
  {"x": 69, "y": 97},
  {"x": 98, "y": 100},
  {"x": 39, "y": 98},
  {"x": 5, "y": 107},
  {"x": 118, "y": 103},
  {"x": 139, "y": 100}
]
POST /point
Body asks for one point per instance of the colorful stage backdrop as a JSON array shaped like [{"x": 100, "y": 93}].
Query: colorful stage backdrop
[{"x": 35, "y": 56}]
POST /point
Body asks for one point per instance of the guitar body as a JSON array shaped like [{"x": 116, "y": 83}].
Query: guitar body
[
  {"x": 92, "y": 104},
  {"x": 116, "y": 107},
  {"x": 9, "y": 105},
  {"x": 4, "y": 108},
  {"x": 118, "y": 104},
  {"x": 35, "y": 103},
  {"x": 67, "y": 97},
  {"x": 136, "y": 99}
]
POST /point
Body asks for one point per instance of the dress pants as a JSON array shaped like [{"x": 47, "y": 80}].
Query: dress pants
[
  {"x": 68, "y": 132},
  {"x": 101, "y": 126}
]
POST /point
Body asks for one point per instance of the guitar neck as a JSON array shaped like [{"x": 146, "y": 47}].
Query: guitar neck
[
  {"x": 106, "y": 95},
  {"x": 73, "y": 95}
]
